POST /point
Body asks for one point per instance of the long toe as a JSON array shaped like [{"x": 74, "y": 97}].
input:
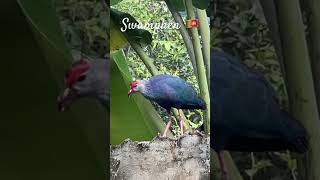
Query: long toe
[
  {"x": 181, "y": 128},
  {"x": 167, "y": 128}
]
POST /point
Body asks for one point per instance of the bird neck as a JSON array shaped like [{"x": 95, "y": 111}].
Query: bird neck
[
  {"x": 103, "y": 98},
  {"x": 145, "y": 88}
]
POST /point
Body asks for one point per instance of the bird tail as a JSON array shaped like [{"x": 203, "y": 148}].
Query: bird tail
[
  {"x": 195, "y": 104},
  {"x": 202, "y": 104},
  {"x": 297, "y": 134}
]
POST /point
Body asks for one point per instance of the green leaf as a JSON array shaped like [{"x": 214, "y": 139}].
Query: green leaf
[
  {"x": 141, "y": 36},
  {"x": 178, "y": 4},
  {"x": 114, "y": 2},
  {"x": 38, "y": 142},
  {"x": 201, "y": 4},
  {"x": 118, "y": 39},
  {"x": 133, "y": 117},
  {"x": 167, "y": 46}
]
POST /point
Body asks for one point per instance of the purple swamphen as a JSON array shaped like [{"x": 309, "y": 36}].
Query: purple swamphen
[
  {"x": 246, "y": 115},
  {"x": 86, "y": 78},
  {"x": 169, "y": 92}
]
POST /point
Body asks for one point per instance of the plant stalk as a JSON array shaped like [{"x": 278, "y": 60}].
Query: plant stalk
[
  {"x": 203, "y": 83},
  {"x": 185, "y": 35},
  {"x": 301, "y": 91},
  {"x": 205, "y": 37},
  {"x": 314, "y": 43},
  {"x": 145, "y": 58}
]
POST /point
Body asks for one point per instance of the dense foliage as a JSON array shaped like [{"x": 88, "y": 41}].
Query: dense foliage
[
  {"x": 167, "y": 49},
  {"x": 84, "y": 24}
]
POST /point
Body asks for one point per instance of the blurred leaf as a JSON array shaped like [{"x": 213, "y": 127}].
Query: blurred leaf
[
  {"x": 118, "y": 40},
  {"x": 292, "y": 163},
  {"x": 201, "y": 4},
  {"x": 167, "y": 46},
  {"x": 85, "y": 25},
  {"x": 262, "y": 164},
  {"x": 178, "y": 4},
  {"x": 251, "y": 172},
  {"x": 114, "y": 2},
  {"x": 40, "y": 142}
]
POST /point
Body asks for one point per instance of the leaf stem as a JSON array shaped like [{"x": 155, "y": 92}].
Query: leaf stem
[
  {"x": 144, "y": 57},
  {"x": 205, "y": 37}
]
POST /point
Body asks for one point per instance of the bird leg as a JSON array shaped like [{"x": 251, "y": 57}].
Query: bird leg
[
  {"x": 223, "y": 168},
  {"x": 181, "y": 127},
  {"x": 167, "y": 127},
  {"x": 181, "y": 121}
]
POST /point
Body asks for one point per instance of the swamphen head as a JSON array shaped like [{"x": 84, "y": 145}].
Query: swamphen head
[
  {"x": 135, "y": 87},
  {"x": 85, "y": 78},
  {"x": 168, "y": 91}
]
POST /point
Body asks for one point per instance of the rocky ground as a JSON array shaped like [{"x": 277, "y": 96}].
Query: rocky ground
[{"x": 187, "y": 158}]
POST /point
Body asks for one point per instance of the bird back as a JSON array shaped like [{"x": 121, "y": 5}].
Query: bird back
[
  {"x": 246, "y": 115},
  {"x": 171, "y": 91}
]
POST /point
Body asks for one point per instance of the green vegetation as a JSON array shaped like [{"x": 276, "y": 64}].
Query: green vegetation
[
  {"x": 85, "y": 25},
  {"x": 167, "y": 52}
]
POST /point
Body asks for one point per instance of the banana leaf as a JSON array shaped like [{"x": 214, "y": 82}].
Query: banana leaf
[
  {"x": 133, "y": 117},
  {"x": 200, "y": 4},
  {"x": 119, "y": 38}
]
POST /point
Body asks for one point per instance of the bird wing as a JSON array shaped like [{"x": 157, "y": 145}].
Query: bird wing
[
  {"x": 173, "y": 91},
  {"x": 245, "y": 106}
]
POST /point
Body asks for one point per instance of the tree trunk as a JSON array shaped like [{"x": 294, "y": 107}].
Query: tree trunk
[{"x": 299, "y": 77}]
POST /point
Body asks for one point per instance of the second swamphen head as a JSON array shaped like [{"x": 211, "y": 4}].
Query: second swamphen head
[
  {"x": 169, "y": 92},
  {"x": 246, "y": 115},
  {"x": 86, "y": 78}
]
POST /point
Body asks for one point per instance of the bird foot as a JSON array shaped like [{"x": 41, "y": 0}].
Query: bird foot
[
  {"x": 181, "y": 136},
  {"x": 193, "y": 132},
  {"x": 198, "y": 133},
  {"x": 162, "y": 136}
]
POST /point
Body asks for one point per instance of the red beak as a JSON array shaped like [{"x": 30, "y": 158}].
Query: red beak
[
  {"x": 66, "y": 99},
  {"x": 130, "y": 92}
]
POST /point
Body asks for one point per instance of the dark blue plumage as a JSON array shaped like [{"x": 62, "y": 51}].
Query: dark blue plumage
[
  {"x": 245, "y": 114},
  {"x": 170, "y": 91}
]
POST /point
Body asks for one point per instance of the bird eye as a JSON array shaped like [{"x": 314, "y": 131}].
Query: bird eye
[{"x": 81, "y": 78}]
